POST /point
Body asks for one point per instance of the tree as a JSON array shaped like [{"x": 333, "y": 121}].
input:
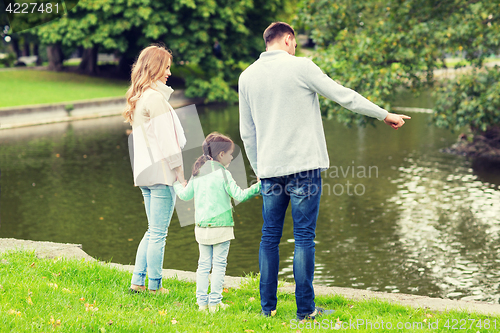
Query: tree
[
  {"x": 379, "y": 46},
  {"x": 190, "y": 28}
]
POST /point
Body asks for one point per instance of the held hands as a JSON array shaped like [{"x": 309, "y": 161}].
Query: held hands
[{"x": 395, "y": 120}]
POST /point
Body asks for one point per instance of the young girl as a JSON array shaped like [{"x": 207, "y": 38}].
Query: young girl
[
  {"x": 212, "y": 187},
  {"x": 155, "y": 145}
]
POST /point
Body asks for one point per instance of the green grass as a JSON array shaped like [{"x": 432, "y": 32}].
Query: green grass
[
  {"x": 26, "y": 87},
  {"x": 461, "y": 62},
  {"x": 42, "y": 295}
]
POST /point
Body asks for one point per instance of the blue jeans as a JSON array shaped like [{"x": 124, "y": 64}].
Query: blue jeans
[
  {"x": 303, "y": 190},
  {"x": 211, "y": 257},
  {"x": 159, "y": 201}
]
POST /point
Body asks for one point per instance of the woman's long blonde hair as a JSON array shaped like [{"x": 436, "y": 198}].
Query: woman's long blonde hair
[{"x": 149, "y": 67}]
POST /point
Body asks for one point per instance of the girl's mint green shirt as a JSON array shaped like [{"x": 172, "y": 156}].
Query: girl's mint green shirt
[{"x": 212, "y": 190}]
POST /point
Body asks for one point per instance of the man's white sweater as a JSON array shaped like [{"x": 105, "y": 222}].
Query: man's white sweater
[{"x": 280, "y": 119}]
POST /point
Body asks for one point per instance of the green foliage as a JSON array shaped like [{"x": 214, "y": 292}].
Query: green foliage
[
  {"x": 8, "y": 60},
  {"x": 190, "y": 28},
  {"x": 471, "y": 100},
  {"x": 378, "y": 46}
]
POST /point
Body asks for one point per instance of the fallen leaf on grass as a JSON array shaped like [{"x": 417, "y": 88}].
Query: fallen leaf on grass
[
  {"x": 174, "y": 321},
  {"x": 82, "y": 299},
  {"x": 273, "y": 313},
  {"x": 14, "y": 312},
  {"x": 30, "y": 302},
  {"x": 162, "y": 312},
  {"x": 66, "y": 290},
  {"x": 249, "y": 331},
  {"x": 146, "y": 309},
  {"x": 54, "y": 322},
  {"x": 428, "y": 315},
  {"x": 130, "y": 239},
  {"x": 110, "y": 322},
  {"x": 32, "y": 265},
  {"x": 284, "y": 324},
  {"x": 56, "y": 274},
  {"x": 52, "y": 285},
  {"x": 91, "y": 307},
  {"x": 338, "y": 324},
  {"x": 225, "y": 290},
  {"x": 251, "y": 299}
]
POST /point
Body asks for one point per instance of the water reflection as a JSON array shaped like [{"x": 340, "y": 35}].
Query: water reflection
[{"x": 449, "y": 225}]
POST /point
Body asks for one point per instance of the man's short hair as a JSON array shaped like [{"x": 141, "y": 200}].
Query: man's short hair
[{"x": 277, "y": 30}]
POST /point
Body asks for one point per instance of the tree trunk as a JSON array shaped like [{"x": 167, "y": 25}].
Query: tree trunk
[
  {"x": 26, "y": 48},
  {"x": 15, "y": 47},
  {"x": 36, "y": 52},
  {"x": 55, "y": 55},
  {"x": 89, "y": 61}
]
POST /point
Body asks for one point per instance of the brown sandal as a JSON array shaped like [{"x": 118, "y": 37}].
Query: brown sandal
[
  {"x": 136, "y": 289},
  {"x": 160, "y": 291}
]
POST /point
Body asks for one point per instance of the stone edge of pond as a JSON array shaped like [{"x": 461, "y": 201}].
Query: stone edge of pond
[
  {"x": 50, "y": 250},
  {"x": 31, "y": 115}
]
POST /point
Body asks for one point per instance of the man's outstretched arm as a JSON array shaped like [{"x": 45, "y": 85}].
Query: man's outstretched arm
[{"x": 348, "y": 98}]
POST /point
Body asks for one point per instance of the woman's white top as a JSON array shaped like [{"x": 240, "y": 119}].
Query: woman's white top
[{"x": 158, "y": 138}]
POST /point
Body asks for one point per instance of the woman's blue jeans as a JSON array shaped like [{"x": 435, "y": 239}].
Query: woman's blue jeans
[
  {"x": 211, "y": 257},
  {"x": 159, "y": 201},
  {"x": 303, "y": 191}
]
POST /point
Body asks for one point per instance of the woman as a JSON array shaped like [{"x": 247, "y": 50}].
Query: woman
[{"x": 157, "y": 138}]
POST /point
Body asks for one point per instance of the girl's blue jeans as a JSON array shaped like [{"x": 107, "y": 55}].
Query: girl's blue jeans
[
  {"x": 159, "y": 201},
  {"x": 211, "y": 257},
  {"x": 303, "y": 191}
]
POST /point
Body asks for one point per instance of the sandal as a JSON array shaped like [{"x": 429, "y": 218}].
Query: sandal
[
  {"x": 137, "y": 289},
  {"x": 160, "y": 291}
]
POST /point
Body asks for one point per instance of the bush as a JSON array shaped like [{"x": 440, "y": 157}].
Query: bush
[
  {"x": 8, "y": 60},
  {"x": 470, "y": 100}
]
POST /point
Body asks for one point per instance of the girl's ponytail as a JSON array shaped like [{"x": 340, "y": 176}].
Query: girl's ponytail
[
  {"x": 198, "y": 164},
  {"x": 212, "y": 146}
]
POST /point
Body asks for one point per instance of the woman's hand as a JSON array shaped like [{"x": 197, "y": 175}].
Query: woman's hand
[{"x": 179, "y": 172}]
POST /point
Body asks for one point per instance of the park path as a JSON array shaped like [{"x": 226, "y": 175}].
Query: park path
[{"x": 51, "y": 250}]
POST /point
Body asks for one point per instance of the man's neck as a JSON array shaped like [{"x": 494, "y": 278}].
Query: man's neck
[{"x": 275, "y": 47}]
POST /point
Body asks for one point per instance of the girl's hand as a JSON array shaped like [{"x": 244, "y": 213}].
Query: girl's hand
[{"x": 184, "y": 183}]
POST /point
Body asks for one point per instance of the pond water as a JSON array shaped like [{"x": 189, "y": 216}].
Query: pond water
[{"x": 409, "y": 219}]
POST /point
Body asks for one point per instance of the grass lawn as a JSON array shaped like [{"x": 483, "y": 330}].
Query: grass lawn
[
  {"x": 25, "y": 87},
  {"x": 59, "y": 295}
]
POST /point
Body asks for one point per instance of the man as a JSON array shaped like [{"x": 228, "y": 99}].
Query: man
[{"x": 282, "y": 131}]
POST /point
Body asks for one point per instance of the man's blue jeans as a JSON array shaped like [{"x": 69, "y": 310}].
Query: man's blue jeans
[
  {"x": 159, "y": 201},
  {"x": 303, "y": 190}
]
